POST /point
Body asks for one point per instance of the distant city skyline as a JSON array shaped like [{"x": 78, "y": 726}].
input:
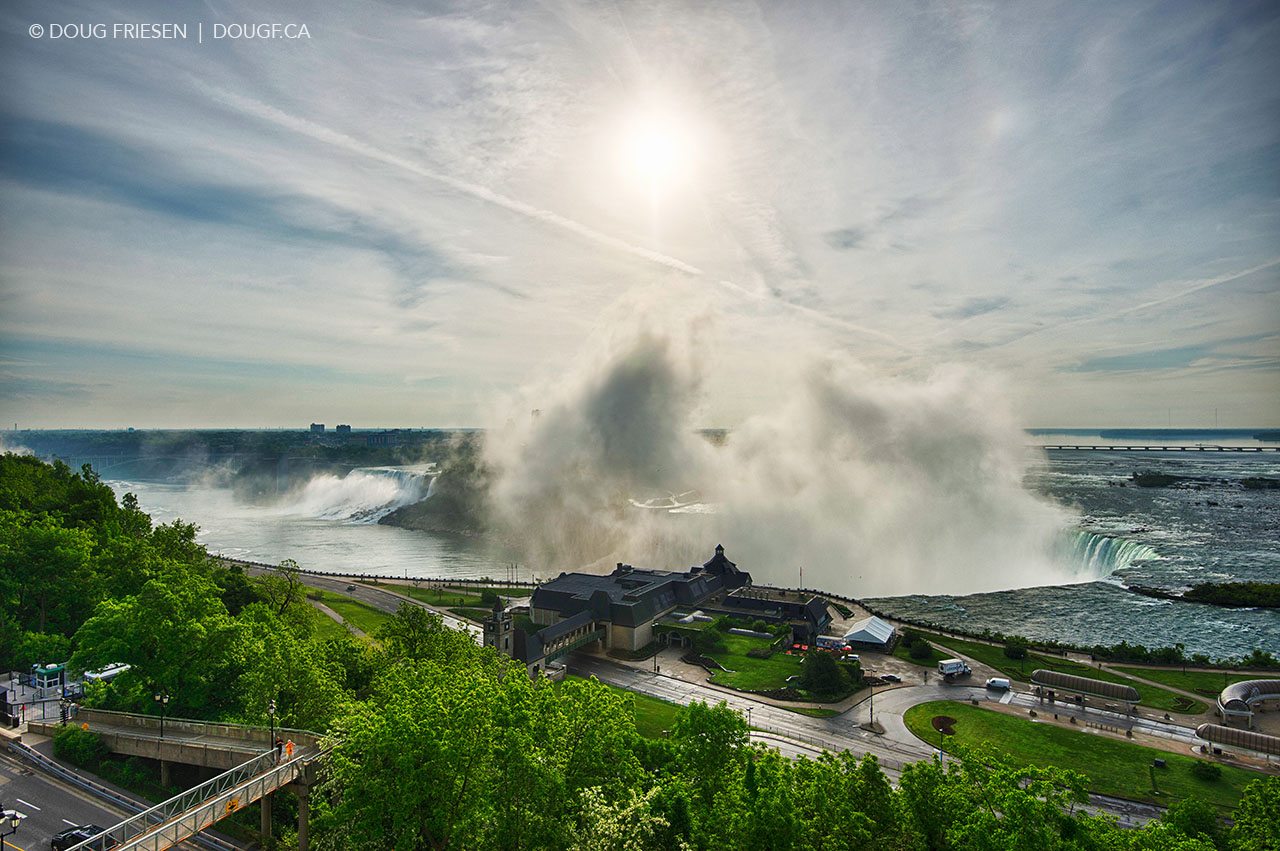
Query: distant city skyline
[{"x": 416, "y": 211}]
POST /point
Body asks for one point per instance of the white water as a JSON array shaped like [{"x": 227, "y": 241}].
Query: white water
[
  {"x": 1101, "y": 555},
  {"x": 364, "y": 495}
]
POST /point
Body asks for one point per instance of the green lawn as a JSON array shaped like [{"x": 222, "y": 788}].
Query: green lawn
[
  {"x": 362, "y": 617},
  {"x": 654, "y": 717},
  {"x": 1153, "y": 697},
  {"x": 751, "y": 674},
  {"x": 478, "y": 615},
  {"x": 448, "y": 597},
  {"x": 327, "y": 627},
  {"x": 1207, "y": 683},
  {"x": 1113, "y": 767},
  {"x": 813, "y": 711}
]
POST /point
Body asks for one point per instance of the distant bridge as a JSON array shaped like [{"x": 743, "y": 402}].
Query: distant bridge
[{"x": 1196, "y": 447}]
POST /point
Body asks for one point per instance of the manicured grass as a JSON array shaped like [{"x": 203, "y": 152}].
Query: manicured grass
[
  {"x": 813, "y": 711},
  {"x": 477, "y": 615},
  {"x": 654, "y": 717},
  {"x": 1114, "y": 767},
  {"x": 449, "y": 596},
  {"x": 362, "y": 617},
  {"x": 1153, "y": 697},
  {"x": 327, "y": 627},
  {"x": 1207, "y": 683},
  {"x": 752, "y": 674},
  {"x": 904, "y": 653}
]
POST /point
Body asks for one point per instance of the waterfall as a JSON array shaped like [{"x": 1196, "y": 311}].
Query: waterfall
[
  {"x": 1102, "y": 555},
  {"x": 364, "y": 495}
]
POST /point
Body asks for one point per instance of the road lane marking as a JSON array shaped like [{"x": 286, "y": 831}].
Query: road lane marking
[
  {"x": 73, "y": 824},
  {"x": 29, "y": 804}
]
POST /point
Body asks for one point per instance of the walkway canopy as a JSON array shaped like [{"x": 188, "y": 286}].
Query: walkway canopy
[
  {"x": 1235, "y": 737},
  {"x": 1238, "y": 699},
  {"x": 1085, "y": 685}
]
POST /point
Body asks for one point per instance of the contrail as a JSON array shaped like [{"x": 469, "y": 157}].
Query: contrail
[
  {"x": 328, "y": 136},
  {"x": 355, "y": 146}
]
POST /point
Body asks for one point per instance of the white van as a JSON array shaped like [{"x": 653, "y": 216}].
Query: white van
[{"x": 999, "y": 684}]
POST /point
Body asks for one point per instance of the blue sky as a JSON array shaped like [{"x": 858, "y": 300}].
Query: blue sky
[{"x": 422, "y": 207}]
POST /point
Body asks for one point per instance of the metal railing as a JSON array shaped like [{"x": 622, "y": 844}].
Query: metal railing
[
  {"x": 173, "y": 818},
  {"x": 100, "y": 791}
]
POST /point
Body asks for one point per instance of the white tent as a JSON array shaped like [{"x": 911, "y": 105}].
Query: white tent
[{"x": 871, "y": 631}]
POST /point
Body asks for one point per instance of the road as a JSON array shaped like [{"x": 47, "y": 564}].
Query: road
[
  {"x": 49, "y": 806},
  {"x": 798, "y": 735}
]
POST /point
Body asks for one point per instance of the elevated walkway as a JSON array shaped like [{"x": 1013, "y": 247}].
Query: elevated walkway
[
  {"x": 183, "y": 816},
  {"x": 203, "y": 743}
]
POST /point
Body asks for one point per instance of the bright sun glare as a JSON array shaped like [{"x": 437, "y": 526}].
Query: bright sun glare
[{"x": 657, "y": 151}]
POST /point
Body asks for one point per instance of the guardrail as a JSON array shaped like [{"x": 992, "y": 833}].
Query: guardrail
[
  {"x": 187, "y": 813},
  {"x": 102, "y": 792}
]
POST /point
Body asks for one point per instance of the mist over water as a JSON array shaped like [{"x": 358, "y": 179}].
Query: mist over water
[
  {"x": 364, "y": 495},
  {"x": 872, "y": 485}
]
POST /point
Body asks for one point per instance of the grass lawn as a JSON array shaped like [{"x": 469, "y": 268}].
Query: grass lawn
[
  {"x": 362, "y": 617},
  {"x": 1113, "y": 767},
  {"x": 327, "y": 627},
  {"x": 1153, "y": 697},
  {"x": 446, "y": 597},
  {"x": 477, "y": 615},
  {"x": 904, "y": 653},
  {"x": 654, "y": 717},
  {"x": 1207, "y": 683},
  {"x": 752, "y": 674},
  {"x": 813, "y": 711}
]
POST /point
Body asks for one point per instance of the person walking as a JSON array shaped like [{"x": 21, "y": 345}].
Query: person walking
[
  {"x": 288, "y": 749},
  {"x": 279, "y": 747}
]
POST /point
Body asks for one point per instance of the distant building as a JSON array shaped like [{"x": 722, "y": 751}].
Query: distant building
[
  {"x": 384, "y": 438},
  {"x": 343, "y": 428},
  {"x": 317, "y": 428},
  {"x": 617, "y": 610}
]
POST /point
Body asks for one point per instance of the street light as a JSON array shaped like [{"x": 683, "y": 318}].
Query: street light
[
  {"x": 271, "y": 710},
  {"x": 9, "y": 824},
  {"x": 162, "y": 698}
]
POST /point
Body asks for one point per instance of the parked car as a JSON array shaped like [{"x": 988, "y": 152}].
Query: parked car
[
  {"x": 73, "y": 836},
  {"x": 999, "y": 684},
  {"x": 891, "y": 678},
  {"x": 351, "y": 587}
]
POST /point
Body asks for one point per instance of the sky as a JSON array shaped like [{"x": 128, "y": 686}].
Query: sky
[{"x": 418, "y": 208}]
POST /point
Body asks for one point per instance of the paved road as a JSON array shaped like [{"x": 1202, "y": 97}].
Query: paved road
[
  {"x": 380, "y": 599},
  {"x": 800, "y": 735},
  {"x": 49, "y": 806}
]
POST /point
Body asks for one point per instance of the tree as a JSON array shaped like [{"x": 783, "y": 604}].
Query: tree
[
  {"x": 282, "y": 587},
  {"x": 420, "y": 634},
  {"x": 628, "y": 824},
  {"x": 820, "y": 673},
  {"x": 177, "y": 636},
  {"x": 1256, "y": 816}
]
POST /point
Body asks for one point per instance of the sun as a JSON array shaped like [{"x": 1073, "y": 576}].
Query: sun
[{"x": 657, "y": 150}]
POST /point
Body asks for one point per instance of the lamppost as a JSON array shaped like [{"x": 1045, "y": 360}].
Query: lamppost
[
  {"x": 271, "y": 710},
  {"x": 162, "y": 698},
  {"x": 873, "y": 705},
  {"x": 9, "y": 824},
  {"x": 748, "y": 720}
]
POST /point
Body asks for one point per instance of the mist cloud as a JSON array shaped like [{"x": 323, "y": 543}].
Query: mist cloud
[{"x": 872, "y": 485}]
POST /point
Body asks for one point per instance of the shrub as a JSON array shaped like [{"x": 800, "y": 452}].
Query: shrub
[
  {"x": 721, "y": 624},
  {"x": 909, "y": 637},
  {"x": 920, "y": 649},
  {"x": 488, "y": 596},
  {"x": 708, "y": 641},
  {"x": 760, "y": 626},
  {"x": 79, "y": 746},
  {"x": 1206, "y": 770},
  {"x": 1016, "y": 648}
]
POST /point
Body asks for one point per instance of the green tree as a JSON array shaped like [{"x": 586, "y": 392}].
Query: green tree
[
  {"x": 178, "y": 638},
  {"x": 1256, "y": 817},
  {"x": 820, "y": 673}
]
